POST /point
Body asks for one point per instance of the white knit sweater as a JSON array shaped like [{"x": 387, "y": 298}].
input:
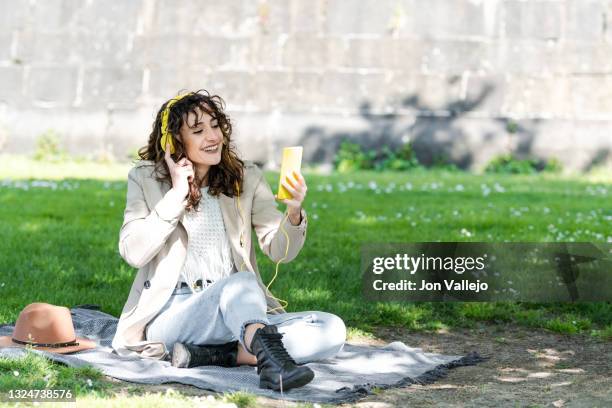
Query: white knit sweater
[{"x": 208, "y": 249}]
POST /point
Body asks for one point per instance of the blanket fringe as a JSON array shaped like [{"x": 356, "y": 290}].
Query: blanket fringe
[
  {"x": 361, "y": 390},
  {"x": 441, "y": 371}
]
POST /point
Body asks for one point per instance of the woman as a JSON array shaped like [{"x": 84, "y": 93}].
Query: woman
[{"x": 191, "y": 204}]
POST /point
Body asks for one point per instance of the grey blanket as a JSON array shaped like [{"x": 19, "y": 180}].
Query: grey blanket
[{"x": 352, "y": 374}]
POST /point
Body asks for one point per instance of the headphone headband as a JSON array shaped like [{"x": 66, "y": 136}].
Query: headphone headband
[{"x": 166, "y": 136}]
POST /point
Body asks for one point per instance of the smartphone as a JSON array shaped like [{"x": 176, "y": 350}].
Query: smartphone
[{"x": 292, "y": 161}]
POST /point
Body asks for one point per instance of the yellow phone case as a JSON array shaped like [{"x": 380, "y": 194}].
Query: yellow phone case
[{"x": 292, "y": 160}]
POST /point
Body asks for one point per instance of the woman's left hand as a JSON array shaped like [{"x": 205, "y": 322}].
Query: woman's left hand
[{"x": 296, "y": 185}]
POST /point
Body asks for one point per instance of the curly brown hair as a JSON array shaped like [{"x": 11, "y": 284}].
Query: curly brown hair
[{"x": 225, "y": 177}]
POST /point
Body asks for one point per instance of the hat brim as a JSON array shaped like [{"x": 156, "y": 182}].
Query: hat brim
[{"x": 84, "y": 344}]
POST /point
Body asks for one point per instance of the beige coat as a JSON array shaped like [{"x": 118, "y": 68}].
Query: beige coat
[{"x": 154, "y": 240}]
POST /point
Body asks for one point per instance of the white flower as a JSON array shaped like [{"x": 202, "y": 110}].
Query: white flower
[
  {"x": 459, "y": 187},
  {"x": 485, "y": 190},
  {"x": 16, "y": 373},
  {"x": 89, "y": 383},
  {"x": 464, "y": 232}
]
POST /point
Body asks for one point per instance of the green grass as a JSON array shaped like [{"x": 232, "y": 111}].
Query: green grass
[
  {"x": 60, "y": 243},
  {"x": 438, "y": 206},
  {"x": 242, "y": 399},
  {"x": 36, "y": 372}
]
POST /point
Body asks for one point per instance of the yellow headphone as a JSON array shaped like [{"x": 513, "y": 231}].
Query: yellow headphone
[{"x": 281, "y": 301}]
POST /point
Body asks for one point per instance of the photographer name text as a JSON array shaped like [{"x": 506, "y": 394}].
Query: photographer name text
[{"x": 449, "y": 285}]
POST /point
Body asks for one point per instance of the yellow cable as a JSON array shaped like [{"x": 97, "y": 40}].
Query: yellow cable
[
  {"x": 277, "y": 264},
  {"x": 280, "y": 301}
]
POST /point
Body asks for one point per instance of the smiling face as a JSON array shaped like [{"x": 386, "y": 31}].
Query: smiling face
[{"x": 203, "y": 139}]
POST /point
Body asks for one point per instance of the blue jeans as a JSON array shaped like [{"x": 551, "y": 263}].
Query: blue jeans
[{"x": 220, "y": 312}]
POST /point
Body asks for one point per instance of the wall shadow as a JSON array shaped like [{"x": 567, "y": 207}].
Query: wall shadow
[{"x": 438, "y": 134}]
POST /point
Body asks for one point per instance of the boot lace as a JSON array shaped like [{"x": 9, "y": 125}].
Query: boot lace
[{"x": 274, "y": 345}]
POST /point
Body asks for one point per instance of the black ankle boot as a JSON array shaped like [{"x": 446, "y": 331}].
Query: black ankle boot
[
  {"x": 276, "y": 369},
  {"x": 192, "y": 355}
]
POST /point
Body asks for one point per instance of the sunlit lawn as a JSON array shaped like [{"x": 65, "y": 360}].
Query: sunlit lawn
[{"x": 60, "y": 239}]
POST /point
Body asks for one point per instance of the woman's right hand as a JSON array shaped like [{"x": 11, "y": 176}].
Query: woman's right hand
[{"x": 181, "y": 173}]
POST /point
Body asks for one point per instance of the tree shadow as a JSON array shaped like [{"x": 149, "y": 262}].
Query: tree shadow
[
  {"x": 600, "y": 157},
  {"x": 445, "y": 134}
]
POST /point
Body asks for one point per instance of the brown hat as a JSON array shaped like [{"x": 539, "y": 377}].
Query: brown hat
[{"x": 46, "y": 327}]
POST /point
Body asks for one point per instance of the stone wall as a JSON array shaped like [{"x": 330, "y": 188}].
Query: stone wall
[{"x": 465, "y": 80}]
